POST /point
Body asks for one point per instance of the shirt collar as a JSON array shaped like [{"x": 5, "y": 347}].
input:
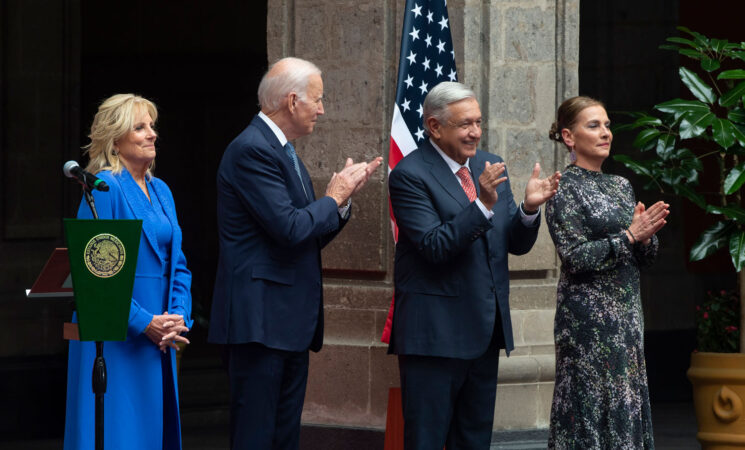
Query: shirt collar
[
  {"x": 452, "y": 164},
  {"x": 275, "y": 129}
]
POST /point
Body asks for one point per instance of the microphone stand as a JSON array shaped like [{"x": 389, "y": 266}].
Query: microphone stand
[
  {"x": 91, "y": 202},
  {"x": 98, "y": 378}
]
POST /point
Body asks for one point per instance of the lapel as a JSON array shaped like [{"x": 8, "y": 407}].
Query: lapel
[
  {"x": 140, "y": 207},
  {"x": 170, "y": 209},
  {"x": 306, "y": 180},
  {"x": 293, "y": 184},
  {"x": 442, "y": 173},
  {"x": 167, "y": 205},
  {"x": 476, "y": 165}
]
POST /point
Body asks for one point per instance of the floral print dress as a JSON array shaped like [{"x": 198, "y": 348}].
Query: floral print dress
[{"x": 601, "y": 399}]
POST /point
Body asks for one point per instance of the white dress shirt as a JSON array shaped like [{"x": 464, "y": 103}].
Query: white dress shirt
[
  {"x": 527, "y": 219},
  {"x": 344, "y": 210}
]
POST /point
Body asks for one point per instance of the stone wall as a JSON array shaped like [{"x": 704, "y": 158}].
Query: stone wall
[{"x": 521, "y": 58}]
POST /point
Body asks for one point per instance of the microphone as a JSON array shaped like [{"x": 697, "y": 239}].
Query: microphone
[{"x": 89, "y": 181}]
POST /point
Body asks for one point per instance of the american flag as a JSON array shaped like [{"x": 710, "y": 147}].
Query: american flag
[{"x": 427, "y": 58}]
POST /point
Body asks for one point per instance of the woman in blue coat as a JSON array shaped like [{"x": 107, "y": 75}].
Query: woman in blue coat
[{"x": 141, "y": 402}]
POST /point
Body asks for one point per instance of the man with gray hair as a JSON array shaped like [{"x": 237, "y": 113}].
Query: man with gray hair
[
  {"x": 267, "y": 305},
  {"x": 457, "y": 222}
]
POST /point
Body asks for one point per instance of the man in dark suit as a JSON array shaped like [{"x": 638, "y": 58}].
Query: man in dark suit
[
  {"x": 267, "y": 306},
  {"x": 457, "y": 222}
]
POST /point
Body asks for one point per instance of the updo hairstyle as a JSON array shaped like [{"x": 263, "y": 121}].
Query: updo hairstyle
[{"x": 567, "y": 115}]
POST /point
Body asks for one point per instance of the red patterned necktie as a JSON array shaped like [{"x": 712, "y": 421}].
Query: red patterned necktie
[{"x": 467, "y": 182}]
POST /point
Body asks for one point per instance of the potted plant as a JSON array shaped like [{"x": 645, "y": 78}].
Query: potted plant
[
  {"x": 717, "y": 323},
  {"x": 675, "y": 140}
]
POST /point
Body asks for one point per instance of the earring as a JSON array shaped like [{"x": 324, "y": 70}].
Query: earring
[
  {"x": 115, "y": 152},
  {"x": 573, "y": 156}
]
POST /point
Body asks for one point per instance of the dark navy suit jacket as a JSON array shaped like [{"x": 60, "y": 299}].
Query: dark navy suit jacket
[
  {"x": 268, "y": 286},
  {"x": 451, "y": 270}
]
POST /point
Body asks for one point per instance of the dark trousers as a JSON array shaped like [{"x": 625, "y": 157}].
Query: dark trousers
[
  {"x": 448, "y": 401},
  {"x": 267, "y": 392}
]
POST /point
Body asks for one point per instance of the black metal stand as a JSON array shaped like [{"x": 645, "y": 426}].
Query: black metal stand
[
  {"x": 91, "y": 202},
  {"x": 99, "y": 389},
  {"x": 99, "y": 365}
]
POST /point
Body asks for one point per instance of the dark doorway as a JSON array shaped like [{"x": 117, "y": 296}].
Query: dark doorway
[
  {"x": 200, "y": 62},
  {"x": 621, "y": 64}
]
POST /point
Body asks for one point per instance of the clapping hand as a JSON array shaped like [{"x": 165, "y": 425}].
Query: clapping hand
[
  {"x": 647, "y": 222},
  {"x": 489, "y": 179},
  {"x": 371, "y": 167},
  {"x": 351, "y": 179},
  {"x": 539, "y": 190}
]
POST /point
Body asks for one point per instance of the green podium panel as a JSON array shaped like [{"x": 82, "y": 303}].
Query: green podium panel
[{"x": 103, "y": 258}]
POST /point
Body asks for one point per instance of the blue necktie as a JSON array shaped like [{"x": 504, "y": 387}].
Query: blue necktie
[{"x": 293, "y": 157}]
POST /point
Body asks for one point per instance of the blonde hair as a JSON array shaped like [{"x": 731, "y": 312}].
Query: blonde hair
[
  {"x": 115, "y": 118},
  {"x": 567, "y": 115}
]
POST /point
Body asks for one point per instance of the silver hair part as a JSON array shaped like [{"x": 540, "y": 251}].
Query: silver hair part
[
  {"x": 437, "y": 101},
  {"x": 292, "y": 78}
]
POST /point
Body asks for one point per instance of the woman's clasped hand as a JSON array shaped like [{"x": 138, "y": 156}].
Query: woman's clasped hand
[{"x": 166, "y": 329}]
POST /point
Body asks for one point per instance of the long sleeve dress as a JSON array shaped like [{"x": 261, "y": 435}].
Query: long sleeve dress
[
  {"x": 601, "y": 399},
  {"x": 141, "y": 401}
]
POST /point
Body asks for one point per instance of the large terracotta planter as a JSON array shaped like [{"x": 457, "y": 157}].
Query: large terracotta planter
[{"x": 718, "y": 393}]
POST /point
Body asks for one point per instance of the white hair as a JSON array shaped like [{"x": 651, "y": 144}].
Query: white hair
[
  {"x": 437, "y": 101},
  {"x": 278, "y": 82}
]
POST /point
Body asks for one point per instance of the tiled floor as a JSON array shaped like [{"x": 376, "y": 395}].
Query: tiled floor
[{"x": 674, "y": 426}]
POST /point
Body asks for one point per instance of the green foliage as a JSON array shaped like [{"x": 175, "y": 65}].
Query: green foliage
[
  {"x": 711, "y": 240},
  {"x": 684, "y": 132},
  {"x": 717, "y": 323}
]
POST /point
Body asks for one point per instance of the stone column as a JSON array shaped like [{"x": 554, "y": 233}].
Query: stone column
[
  {"x": 354, "y": 43},
  {"x": 521, "y": 59}
]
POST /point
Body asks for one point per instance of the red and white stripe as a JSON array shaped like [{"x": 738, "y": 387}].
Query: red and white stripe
[{"x": 402, "y": 143}]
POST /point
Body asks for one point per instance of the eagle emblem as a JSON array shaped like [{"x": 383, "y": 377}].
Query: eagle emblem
[{"x": 104, "y": 255}]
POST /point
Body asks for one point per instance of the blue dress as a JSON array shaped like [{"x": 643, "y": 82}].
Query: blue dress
[{"x": 141, "y": 401}]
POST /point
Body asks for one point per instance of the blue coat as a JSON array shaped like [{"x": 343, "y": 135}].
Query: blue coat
[
  {"x": 451, "y": 270},
  {"x": 135, "y": 401},
  {"x": 268, "y": 284}
]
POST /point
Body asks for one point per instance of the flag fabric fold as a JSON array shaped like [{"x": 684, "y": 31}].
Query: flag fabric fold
[{"x": 427, "y": 58}]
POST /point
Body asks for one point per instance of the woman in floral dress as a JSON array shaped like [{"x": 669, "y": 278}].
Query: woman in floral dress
[{"x": 603, "y": 236}]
